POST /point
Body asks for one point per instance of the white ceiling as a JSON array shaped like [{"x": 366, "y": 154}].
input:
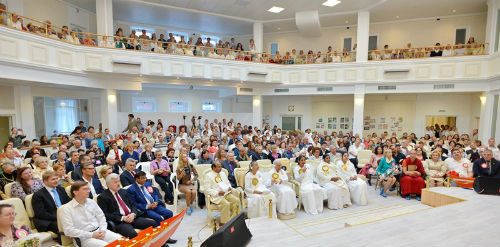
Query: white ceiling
[{"x": 237, "y": 16}]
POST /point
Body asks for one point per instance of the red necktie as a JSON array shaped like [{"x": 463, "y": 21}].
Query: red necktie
[
  {"x": 122, "y": 204},
  {"x": 133, "y": 173}
]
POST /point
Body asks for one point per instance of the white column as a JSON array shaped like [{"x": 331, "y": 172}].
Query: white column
[
  {"x": 491, "y": 24},
  {"x": 109, "y": 111},
  {"x": 257, "y": 111},
  {"x": 25, "y": 114},
  {"x": 486, "y": 117},
  {"x": 104, "y": 14},
  {"x": 363, "y": 36},
  {"x": 359, "y": 105},
  {"x": 258, "y": 36}
]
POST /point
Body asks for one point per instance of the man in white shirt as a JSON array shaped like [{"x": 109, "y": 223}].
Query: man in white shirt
[
  {"x": 82, "y": 218},
  {"x": 353, "y": 151},
  {"x": 222, "y": 194},
  {"x": 493, "y": 148},
  {"x": 54, "y": 148},
  {"x": 458, "y": 164}
]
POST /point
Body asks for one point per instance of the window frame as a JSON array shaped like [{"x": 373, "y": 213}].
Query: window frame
[
  {"x": 179, "y": 101},
  {"x": 136, "y": 100},
  {"x": 217, "y": 103}
]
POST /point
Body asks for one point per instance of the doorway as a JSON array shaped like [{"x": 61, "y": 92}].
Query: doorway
[
  {"x": 441, "y": 120},
  {"x": 291, "y": 122},
  {"x": 4, "y": 130}
]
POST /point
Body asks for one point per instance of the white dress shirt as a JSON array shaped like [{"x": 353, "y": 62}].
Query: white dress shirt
[{"x": 81, "y": 220}]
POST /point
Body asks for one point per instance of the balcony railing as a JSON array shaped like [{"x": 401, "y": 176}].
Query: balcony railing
[{"x": 64, "y": 34}]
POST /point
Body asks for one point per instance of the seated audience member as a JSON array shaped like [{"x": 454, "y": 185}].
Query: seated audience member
[
  {"x": 8, "y": 174},
  {"x": 459, "y": 50},
  {"x": 60, "y": 156},
  {"x": 10, "y": 154},
  {"x": 435, "y": 169},
  {"x": 115, "y": 154},
  {"x": 230, "y": 164},
  {"x": 330, "y": 178},
  {"x": 147, "y": 155},
  {"x": 277, "y": 182},
  {"x": 127, "y": 176},
  {"x": 72, "y": 163},
  {"x": 437, "y": 52},
  {"x": 54, "y": 148},
  {"x": 118, "y": 208},
  {"x": 64, "y": 179},
  {"x": 77, "y": 173},
  {"x": 104, "y": 172},
  {"x": 187, "y": 176},
  {"x": 354, "y": 150},
  {"x": 147, "y": 199},
  {"x": 257, "y": 194},
  {"x": 312, "y": 193},
  {"x": 243, "y": 155},
  {"x": 46, "y": 201},
  {"x": 41, "y": 166},
  {"x": 487, "y": 166},
  {"x": 459, "y": 164},
  {"x": 89, "y": 176},
  {"x": 222, "y": 194},
  {"x": 25, "y": 184},
  {"x": 130, "y": 153},
  {"x": 357, "y": 186},
  {"x": 412, "y": 181},
  {"x": 83, "y": 219},
  {"x": 8, "y": 231},
  {"x": 161, "y": 171},
  {"x": 273, "y": 155},
  {"x": 259, "y": 154},
  {"x": 447, "y": 52},
  {"x": 315, "y": 154},
  {"x": 205, "y": 158},
  {"x": 387, "y": 170}
]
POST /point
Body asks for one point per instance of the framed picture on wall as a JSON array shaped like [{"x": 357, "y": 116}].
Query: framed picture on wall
[
  {"x": 346, "y": 126},
  {"x": 341, "y": 120},
  {"x": 334, "y": 126},
  {"x": 341, "y": 126},
  {"x": 318, "y": 125},
  {"x": 347, "y": 120},
  {"x": 329, "y": 126},
  {"x": 334, "y": 120}
]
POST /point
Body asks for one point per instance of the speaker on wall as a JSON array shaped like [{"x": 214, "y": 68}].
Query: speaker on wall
[{"x": 234, "y": 233}]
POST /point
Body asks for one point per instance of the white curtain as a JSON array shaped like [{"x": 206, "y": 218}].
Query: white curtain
[{"x": 66, "y": 117}]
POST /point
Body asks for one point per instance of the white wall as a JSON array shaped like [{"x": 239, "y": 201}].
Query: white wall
[
  {"x": 395, "y": 34},
  {"x": 195, "y": 97}
]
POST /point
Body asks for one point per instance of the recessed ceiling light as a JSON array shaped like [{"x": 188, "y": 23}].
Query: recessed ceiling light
[
  {"x": 331, "y": 3},
  {"x": 278, "y": 28},
  {"x": 454, "y": 11},
  {"x": 275, "y": 9},
  {"x": 397, "y": 16},
  {"x": 346, "y": 21}
]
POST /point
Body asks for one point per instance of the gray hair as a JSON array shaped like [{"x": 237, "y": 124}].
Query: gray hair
[
  {"x": 276, "y": 161},
  {"x": 6, "y": 162},
  {"x": 111, "y": 177},
  {"x": 129, "y": 160},
  {"x": 487, "y": 150}
]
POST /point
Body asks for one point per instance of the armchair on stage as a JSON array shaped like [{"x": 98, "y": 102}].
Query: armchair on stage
[{"x": 153, "y": 237}]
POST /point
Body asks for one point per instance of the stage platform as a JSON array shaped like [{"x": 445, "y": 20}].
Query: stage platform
[{"x": 446, "y": 217}]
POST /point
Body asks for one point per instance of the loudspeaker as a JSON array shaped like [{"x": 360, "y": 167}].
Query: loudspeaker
[
  {"x": 487, "y": 185},
  {"x": 234, "y": 233}
]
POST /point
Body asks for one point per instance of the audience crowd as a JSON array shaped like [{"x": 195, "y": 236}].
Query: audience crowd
[
  {"x": 325, "y": 166},
  {"x": 231, "y": 50}
]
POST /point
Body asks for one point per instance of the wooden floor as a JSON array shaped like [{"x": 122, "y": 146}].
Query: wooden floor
[{"x": 391, "y": 221}]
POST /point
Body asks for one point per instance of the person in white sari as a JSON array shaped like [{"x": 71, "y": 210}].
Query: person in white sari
[
  {"x": 257, "y": 194},
  {"x": 312, "y": 194},
  {"x": 329, "y": 177},
  {"x": 277, "y": 182},
  {"x": 357, "y": 187}
]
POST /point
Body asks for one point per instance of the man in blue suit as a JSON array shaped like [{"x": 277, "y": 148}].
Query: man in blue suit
[
  {"x": 127, "y": 176},
  {"x": 147, "y": 199}
]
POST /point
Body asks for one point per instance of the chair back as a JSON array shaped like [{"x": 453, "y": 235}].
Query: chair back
[
  {"x": 68, "y": 191},
  {"x": 21, "y": 214},
  {"x": 98, "y": 171},
  {"x": 364, "y": 157},
  {"x": 286, "y": 163},
  {"x": 265, "y": 167},
  {"x": 195, "y": 161},
  {"x": 239, "y": 174},
  {"x": 245, "y": 164},
  {"x": 264, "y": 162},
  {"x": 145, "y": 167},
  {"x": 8, "y": 189},
  {"x": 200, "y": 169},
  {"x": 29, "y": 206}
]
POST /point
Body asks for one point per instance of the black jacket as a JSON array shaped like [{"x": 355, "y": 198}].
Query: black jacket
[
  {"x": 107, "y": 202},
  {"x": 45, "y": 207},
  {"x": 482, "y": 169}
]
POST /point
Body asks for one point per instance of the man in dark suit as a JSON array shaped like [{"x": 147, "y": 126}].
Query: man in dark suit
[
  {"x": 89, "y": 175},
  {"x": 77, "y": 173},
  {"x": 45, "y": 203},
  {"x": 72, "y": 162},
  {"x": 486, "y": 166},
  {"x": 118, "y": 208},
  {"x": 230, "y": 164},
  {"x": 144, "y": 196},
  {"x": 259, "y": 155},
  {"x": 127, "y": 176}
]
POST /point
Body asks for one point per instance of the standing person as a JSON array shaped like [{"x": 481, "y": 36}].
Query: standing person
[
  {"x": 16, "y": 138},
  {"x": 132, "y": 122},
  {"x": 312, "y": 193},
  {"x": 82, "y": 218},
  {"x": 412, "y": 181}
]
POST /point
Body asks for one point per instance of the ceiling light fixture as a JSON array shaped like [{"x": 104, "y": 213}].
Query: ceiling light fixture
[
  {"x": 331, "y": 3},
  {"x": 279, "y": 28},
  {"x": 454, "y": 11},
  {"x": 275, "y": 9},
  {"x": 346, "y": 21},
  {"x": 397, "y": 16}
]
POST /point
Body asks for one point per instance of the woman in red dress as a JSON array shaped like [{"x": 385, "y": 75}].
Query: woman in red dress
[{"x": 412, "y": 181}]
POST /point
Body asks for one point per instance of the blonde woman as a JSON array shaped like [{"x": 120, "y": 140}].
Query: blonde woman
[
  {"x": 187, "y": 175},
  {"x": 436, "y": 169},
  {"x": 104, "y": 172},
  {"x": 41, "y": 166}
]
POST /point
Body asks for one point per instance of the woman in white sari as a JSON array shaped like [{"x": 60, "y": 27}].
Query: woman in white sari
[
  {"x": 337, "y": 191},
  {"x": 357, "y": 187},
  {"x": 312, "y": 194},
  {"x": 257, "y": 194},
  {"x": 277, "y": 182}
]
